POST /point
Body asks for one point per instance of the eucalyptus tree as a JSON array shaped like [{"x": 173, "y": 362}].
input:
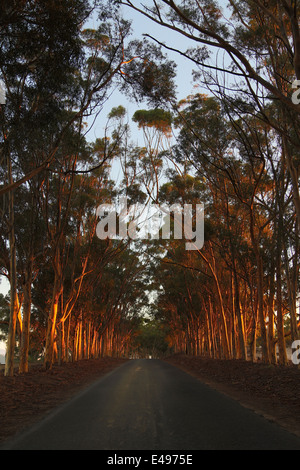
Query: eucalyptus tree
[
  {"x": 249, "y": 49},
  {"x": 236, "y": 157},
  {"x": 57, "y": 74},
  {"x": 40, "y": 50},
  {"x": 156, "y": 125}
]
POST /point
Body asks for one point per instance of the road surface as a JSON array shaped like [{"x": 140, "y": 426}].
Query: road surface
[{"x": 151, "y": 405}]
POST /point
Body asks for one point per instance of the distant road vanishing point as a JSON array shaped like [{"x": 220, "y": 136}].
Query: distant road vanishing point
[{"x": 151, "y": 405}]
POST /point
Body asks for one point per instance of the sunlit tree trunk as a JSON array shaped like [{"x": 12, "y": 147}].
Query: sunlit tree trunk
[
  {"x": 23, "y": 367},
  {"x": 68, "y": 326},
  {"x": 210, "y": 325},
  {"x": 271, "y": 306},
  {"x": 292, "y": 283},
  {"x": 279, "y": 304},
  {"x": 260, "y": 292},
  {"x": 61, "y": 343},
  {"x": 238, "y": 313},
  {"x": 51, "y": 327},
  {"x": 10, "y": 351},
  {"x": 294, "y": 174},
  {"x": 225, "y": 337}
]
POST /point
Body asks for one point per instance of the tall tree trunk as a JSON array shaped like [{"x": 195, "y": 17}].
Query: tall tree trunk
[
  {"x": 61, "y": 342},
  {"x": 292, "y": 282},
  {"x": 211, "y": 329},
  {"x": 279, "y": 306},
  {"x": 261, "y": 314},
  {"x": 237, "y": 305},
  {"x": 236, "y": 289},
  {"x": 68, "y": 326},
  {"x": 51, "y": 327},
  {"x": 260, "y": 292},
  {"x": 23, "y": 367},
  {"x": 11, "y": 340},
  {"x": 254, "y": 328},
  {"x": 271, "y": 306},
  {"x": 224, "y": 336},
  {"x": 294, "y": 177}
]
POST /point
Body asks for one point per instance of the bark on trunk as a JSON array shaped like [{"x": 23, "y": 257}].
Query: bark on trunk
[
  {"x": 51, "y": 327},
  {"x": 23, "y": 367},
  {"x": 11, "y": 340}
]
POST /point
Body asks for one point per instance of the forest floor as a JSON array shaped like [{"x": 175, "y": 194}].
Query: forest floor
[{"x": 271, "y": 391}]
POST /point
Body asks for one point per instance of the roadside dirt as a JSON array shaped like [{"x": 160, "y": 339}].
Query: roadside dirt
[
  {"x": 271, "y": 391},
  {"x": 24, "y": 399}
]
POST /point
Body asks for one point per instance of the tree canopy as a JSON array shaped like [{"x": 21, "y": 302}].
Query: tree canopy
[{"x": 233, "y": 148}]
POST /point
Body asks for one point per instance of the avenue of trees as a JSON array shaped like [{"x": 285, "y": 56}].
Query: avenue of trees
[{"x": 234, "y": 147}]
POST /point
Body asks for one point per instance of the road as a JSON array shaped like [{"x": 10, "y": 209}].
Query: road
[{"x": 151, "y": 405}]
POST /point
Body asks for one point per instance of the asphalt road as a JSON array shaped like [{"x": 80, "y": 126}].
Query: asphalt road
[{"x": 151, "y": 405}]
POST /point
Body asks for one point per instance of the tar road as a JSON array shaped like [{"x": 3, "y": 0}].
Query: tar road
[{"x": 151, "y": 405}]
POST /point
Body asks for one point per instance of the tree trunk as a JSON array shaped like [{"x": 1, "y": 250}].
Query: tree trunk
[
  {"x": 67, "y": 358},
  {"x": 11, "y": 340},
  {"x": 279, "y": 307},
  {"x": 225, "y": 339},
  {"x": 51, "y": 328},
  {"x": 237, "y": 305},
  {"x": 254, "y": 329},
  {"x": 271, "y": 307},
  {"x": 260, "y": 292},
  {"x": 23, "y": 367},
  {"x": 294, "y": 178},
  {"x": 292, "y": 287},
  {"x": 261, "y": 315}
]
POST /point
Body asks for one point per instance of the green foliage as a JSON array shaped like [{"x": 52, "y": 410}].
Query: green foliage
[
  {"x": 117, "y": 113},
  {"x": 150, "y": 76},
  {"x": 157, "y": 118},
  {"x": 151, "y": 339},
  {"x": 230, "y": 153}
]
